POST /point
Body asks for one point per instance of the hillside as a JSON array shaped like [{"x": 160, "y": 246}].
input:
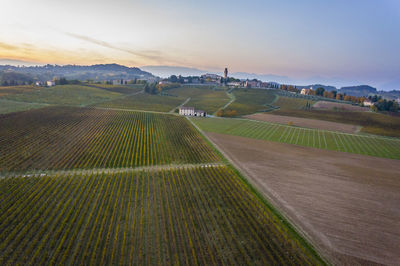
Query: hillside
[
  {"x": 94, "y": 72},
  {"x": 361, "y": 90},
  {"x": 315, "y": 86}
]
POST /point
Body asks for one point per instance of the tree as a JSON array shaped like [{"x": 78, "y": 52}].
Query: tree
[
  {"x": 173, "y": 79},
  {"x": 319, "y": 91}
]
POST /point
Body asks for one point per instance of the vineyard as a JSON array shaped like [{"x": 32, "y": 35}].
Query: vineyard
[
  {"x": 290, "y": 103},
  {"x": 144, "y": 101},
  {"x": 84, "y": 138},
  {"x": 359, "y": 144},
  {"x": 190, "y": 216}
]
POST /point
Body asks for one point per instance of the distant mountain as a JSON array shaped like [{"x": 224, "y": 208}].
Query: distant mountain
[
  {"x": 391, "y": 95},
  {"x": 94, "y": 72},
  {"x": 362, "y": 90},
  {"x": 167, "y": 71},
  {"x": 262, "y": 77}
]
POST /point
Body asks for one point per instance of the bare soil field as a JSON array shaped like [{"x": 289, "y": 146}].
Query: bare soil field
[
  {"x": 305, "y": 122},
  {"x": 323, "y": 105},
  {"x": 347, "y": 205}
]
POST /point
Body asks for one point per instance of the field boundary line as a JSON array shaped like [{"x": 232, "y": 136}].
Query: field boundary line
[
  {"x": 182, "y": 104},
  {"x": 132, "y": 110},
  {"x": 232, "y": 97},
  {"x": 38, "y": 173}
]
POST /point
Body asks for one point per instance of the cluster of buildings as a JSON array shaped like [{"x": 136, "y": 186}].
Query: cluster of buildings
[
  {"x": 48, "y": 83},
  {"x": 306, "y": 91},
  {"x": 214, "y": 79},
  {"x": 190, "y": 111}
]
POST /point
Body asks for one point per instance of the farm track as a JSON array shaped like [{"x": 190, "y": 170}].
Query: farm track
[
  {"x": 182, "y": 104},
  {"x": 111, "y": 170}
]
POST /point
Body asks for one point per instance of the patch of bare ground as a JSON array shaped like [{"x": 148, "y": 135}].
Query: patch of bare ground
[
  {"x": 347, "y": 205},
  {"x": 305, "y": 122},
  {"x": 324, "y": 105}
]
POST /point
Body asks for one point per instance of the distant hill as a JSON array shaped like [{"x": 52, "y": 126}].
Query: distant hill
[
  {"x": 315, "y": 86},
  {"x": 94, "y": 72},
  {"x": 263, "y": 77},
  {"x": 362, "y": 90},
  {"x": 167, "y": 71},
  {"x": 391, "y": 95}
]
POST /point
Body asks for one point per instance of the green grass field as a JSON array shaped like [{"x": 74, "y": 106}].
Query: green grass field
[
  {"x": 123, "y": 89},
  {"x": 145, "y": 101},
  {"x": 202, "y": 97},
  {"x": 372, "y": 123},
  {"x": 8, "y": 106},
  {"x": 359, "y": 144},
  {"x": 290, "y": 103},
  {"x": 249, "y": 101},
  {"x": 13, "y": 90},
  {"x": 64, "y": 95}
]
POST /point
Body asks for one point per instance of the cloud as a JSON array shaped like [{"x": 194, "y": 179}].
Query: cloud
[
  {"x": 8, "y": 46},
  {"x": 148, "y": 55}
]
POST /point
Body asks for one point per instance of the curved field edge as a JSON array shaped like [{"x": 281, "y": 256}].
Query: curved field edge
[
  {"x": 246, "y": 181},
  {"x": 377, "y": 146}
]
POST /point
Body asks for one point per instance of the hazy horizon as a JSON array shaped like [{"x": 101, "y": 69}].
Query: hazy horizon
[{"x": 345, "y": 42}]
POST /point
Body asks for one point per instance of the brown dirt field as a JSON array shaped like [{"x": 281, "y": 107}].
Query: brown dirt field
[
  {"x": 305, "y": 122},
  {"x": 323, "y": 105},
  {"x": 347, "y": 205}
]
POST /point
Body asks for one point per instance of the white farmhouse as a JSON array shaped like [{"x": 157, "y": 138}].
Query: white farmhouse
[
  {"x": 50, "y": 83},
  {"x": 368, "y": 103},
  {"x": 190, "y": 111}
]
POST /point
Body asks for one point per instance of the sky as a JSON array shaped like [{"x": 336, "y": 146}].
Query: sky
[{"x": 350, "y": 42}]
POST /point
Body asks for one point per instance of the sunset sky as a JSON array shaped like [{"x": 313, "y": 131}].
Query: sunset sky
[{"x": 353, "y": 40}]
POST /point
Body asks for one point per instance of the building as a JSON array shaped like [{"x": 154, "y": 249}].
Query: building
[
  {"x": 50, "y": 83},
  {"x": 252, "y": 84},
  {"x": 38, "y": 83},
  {"x": 234, "y": 84},
  {"x": 226, "y": 73},
  {"x": 120, "y": 82},
  {"x": 306, "y": 91},
  {"x": 211, "y": 76},
  {"x": 368, "y": 103},
  {"x": 190, "y": 111}
]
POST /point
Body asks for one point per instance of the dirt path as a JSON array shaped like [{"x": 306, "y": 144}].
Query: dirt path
[
  {"x": 232, "y": 98},
  {"x": 113, "y": 170},
  {"x": 305, "y": 122},
  {"x": 182, "y": 104},
  {"x": 346, "y": 204}
]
